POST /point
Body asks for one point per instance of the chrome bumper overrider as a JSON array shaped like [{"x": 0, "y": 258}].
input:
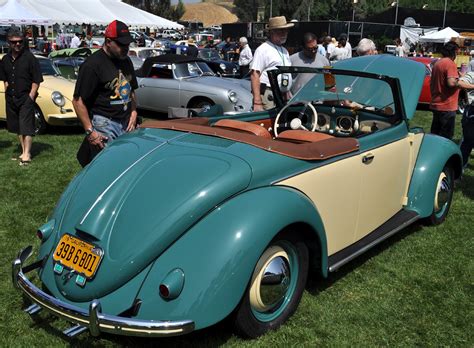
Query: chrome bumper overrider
[{"x": 93, "y": 318}]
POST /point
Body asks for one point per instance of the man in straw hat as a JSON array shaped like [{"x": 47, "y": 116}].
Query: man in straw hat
[{"x": 268, "y": 56}]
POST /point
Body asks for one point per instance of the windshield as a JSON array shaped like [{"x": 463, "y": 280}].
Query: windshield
[
  {"x": 149, "y": 53},
  {"x": 343, "y": 90},
  {"x": 192, "y": 69},
  {"x": 208, "y": 54},
  {"x": 47, "y": 67}
]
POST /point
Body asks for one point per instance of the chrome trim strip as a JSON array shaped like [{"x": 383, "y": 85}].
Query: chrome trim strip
[
  {"x": 93, "y": 318},
  {"x": 370, "y": 245}
]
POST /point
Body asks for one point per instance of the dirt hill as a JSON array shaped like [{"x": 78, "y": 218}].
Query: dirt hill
[{"x": 208, "y": 13}]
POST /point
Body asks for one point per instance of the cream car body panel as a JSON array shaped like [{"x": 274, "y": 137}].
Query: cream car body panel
[
  {"x": 383, "y": 187},
  {"x": 333, "y": 189}
]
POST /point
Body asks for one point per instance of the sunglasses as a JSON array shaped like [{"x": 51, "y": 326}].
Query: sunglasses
[
  {"x": 16, "y": 42},
  {"x": 119, "y": 44}
]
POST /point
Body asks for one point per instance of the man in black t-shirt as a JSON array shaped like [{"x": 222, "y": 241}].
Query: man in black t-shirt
[
  {"x": 104, "y": 97},
  {"x": 21, "y": 74}
]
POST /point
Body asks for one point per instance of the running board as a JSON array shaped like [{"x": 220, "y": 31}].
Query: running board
[{"x": 396, "y": 223}]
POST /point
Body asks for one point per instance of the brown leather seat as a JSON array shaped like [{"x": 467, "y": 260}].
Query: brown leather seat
[
  {"x": 302, "y": 136},
  {"x": 244, "y": 127}
]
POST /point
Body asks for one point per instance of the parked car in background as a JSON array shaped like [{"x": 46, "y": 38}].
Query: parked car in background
[
  {"x": 198, "y": 220},
  {"x": 164, "y": 44},
  {"x": 139, "y": 36},
  {"x": 54, "y": 102},
  {"x": 145, "y": 52},
  {"x": 220, "y": 66},
  {"x": 425, "y": 96},
  {"x": 465, "y": 97},
  {"x": 170, "y": 34},
  {"x": 69, "y": 60},
  {"x": 184, "y": 82}
]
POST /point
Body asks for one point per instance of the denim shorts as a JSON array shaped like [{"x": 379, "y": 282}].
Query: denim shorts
[{"x": 110, "y": 127}]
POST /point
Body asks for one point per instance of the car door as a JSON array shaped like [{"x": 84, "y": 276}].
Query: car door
[
  {"x": 335, "y": 191},
  {"x": 158, "y": 92},
  {"x": 385, "y": 173}
]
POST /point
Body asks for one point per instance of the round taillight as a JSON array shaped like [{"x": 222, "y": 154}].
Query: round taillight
[
  {"x": 39, "y": 234},
  {"x": 164, "y": 291}
]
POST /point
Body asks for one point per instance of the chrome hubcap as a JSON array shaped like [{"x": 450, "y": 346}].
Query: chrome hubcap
[
  {"x": 442, "y": 193},
  {"x": 275, "y": 282},
  {"x": 271, "y": 280}
]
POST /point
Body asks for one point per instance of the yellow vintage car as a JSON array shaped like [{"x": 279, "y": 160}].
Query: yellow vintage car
[{"x": 54, "y": 103}]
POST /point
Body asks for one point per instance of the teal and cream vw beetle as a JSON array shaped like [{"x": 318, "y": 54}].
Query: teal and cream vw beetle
[{"x": 183, "y": 223}]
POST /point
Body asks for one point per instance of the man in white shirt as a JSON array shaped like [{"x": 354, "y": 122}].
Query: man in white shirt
[
  {"x": 76, "y": 40},
  {"x": 245, "y": 56},
  {"x": 343, "y": 49},
  {"x": 268, "y": 56}
]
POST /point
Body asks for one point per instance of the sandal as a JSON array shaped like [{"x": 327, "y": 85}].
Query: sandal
[{"x": 25, "y": 163}]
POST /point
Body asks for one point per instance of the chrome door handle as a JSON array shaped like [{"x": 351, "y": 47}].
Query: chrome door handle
[{"x": 367, "y": 159}]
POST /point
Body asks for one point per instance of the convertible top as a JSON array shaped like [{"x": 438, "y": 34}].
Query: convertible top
[
  {"x": 319, "y": 150},
  {"x": 164, "y": 59}
]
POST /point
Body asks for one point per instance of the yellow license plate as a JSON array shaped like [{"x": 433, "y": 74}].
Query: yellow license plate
[{"x": 82, "y": 257}]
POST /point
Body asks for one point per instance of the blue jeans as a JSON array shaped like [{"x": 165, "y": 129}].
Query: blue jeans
[
  {"x": 467, "y": 142},
  {"x": 109, "y": 127}
]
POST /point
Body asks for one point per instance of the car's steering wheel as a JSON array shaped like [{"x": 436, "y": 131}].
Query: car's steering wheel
[{"x": 297, "y": 122}]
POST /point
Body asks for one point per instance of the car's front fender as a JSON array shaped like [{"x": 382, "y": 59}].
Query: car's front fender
[
  {"x": 218, "y": 254},
  {"x": 435, "y": 152}
]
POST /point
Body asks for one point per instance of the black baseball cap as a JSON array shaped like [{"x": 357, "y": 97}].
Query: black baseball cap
[{"x": 118, "y": 31}]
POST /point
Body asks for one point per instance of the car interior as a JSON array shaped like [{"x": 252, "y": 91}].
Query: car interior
[{"x": 319, "y": 117}]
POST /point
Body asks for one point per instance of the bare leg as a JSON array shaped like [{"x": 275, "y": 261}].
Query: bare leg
[
  {"x": 22, "y": 143},
  {"x": 27, "y": 141}
]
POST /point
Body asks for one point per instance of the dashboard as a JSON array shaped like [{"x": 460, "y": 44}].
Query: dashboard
[{"x": 346, "y": 125}]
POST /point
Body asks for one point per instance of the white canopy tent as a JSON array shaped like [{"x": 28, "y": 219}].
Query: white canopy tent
[
  {"x": 441, "y": 36},
  {"x": 12, "y": 12},
  {"x": 99, "y": 12}
]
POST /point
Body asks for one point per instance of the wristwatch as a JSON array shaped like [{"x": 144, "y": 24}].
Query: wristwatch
[{"x": 89, "y": 131}]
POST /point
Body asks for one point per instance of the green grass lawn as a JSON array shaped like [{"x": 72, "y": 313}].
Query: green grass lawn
[{"x": 415, "y": 289}]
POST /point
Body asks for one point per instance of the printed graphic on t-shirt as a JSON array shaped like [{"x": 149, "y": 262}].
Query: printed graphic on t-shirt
[{"x": 122, "y": 90}]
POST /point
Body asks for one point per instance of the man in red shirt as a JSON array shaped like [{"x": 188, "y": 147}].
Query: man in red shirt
[{"x": 445, "y": 92}]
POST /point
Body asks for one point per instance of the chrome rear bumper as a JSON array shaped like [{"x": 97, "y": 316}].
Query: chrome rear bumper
[{"x": 94, "y": 319}]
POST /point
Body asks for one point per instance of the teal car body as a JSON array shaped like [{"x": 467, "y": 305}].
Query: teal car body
[{"x": 191, "y": 221}]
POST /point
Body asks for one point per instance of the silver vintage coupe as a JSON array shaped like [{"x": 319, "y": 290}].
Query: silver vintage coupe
[{"x": 184, "y": 82}]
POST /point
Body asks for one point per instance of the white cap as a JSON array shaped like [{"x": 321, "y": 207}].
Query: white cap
[{"x": 472, "y": 53}]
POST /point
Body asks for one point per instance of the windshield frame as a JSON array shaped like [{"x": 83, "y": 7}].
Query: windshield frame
[
  {"x": 50, "y": 61},
  {"x": 199, "y": 67},
  {"x": 394, "y": 83}
]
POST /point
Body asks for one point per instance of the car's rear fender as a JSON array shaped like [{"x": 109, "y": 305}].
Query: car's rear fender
[
  {"x": 435, "y": 152},
  {"x": 218, "y": 254}
]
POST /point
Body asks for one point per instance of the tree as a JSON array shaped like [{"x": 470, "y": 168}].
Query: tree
[
  {"x": 246, "y": 10},
  {"x": 162, "y": 9},
  {"x": 178, "y": 11}
]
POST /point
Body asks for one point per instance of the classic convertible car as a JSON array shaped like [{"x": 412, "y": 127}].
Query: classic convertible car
[
  {"x": 179, "y": 81},
  {"x": 183, "y": 223},
  {"x": 54, "y": 102}
]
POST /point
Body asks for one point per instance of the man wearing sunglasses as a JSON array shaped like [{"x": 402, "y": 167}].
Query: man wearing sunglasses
[
  {"x": 22, "y": 76},
  {"x": 104, "y": 97},
  {"x": 309, "y": 58}
]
